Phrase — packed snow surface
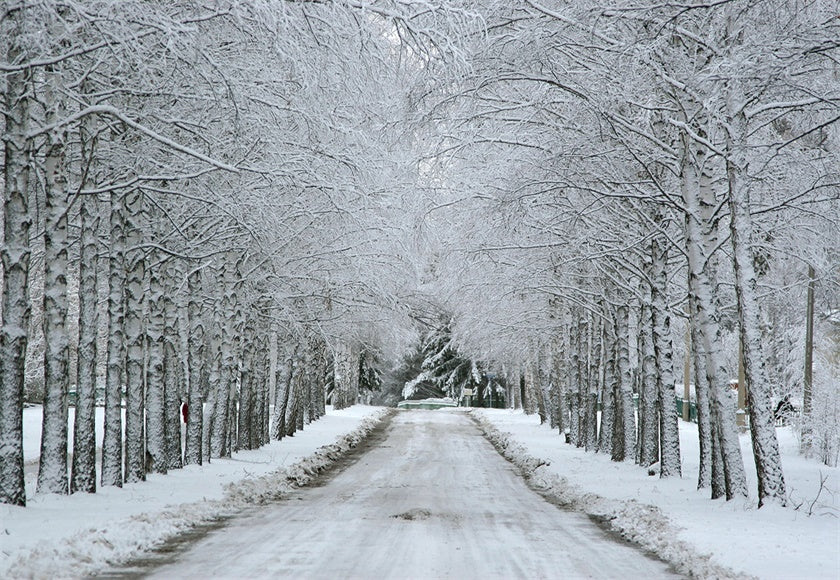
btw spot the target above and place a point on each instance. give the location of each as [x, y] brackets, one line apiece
[671, 518]
[431, 498]
[70, 536]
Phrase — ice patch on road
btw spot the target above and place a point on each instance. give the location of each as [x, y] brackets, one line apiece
[414, 514]
[645, 525]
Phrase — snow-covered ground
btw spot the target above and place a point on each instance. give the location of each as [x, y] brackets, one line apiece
[697, 535]
[66, 536]
[431, 499]
[69, 536]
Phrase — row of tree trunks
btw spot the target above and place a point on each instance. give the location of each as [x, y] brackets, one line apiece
[726, 472]
[346, 375]
[590, 367]
[157, 346]
[299, 385]
[771, 483]
[598, 358]
[191, 200]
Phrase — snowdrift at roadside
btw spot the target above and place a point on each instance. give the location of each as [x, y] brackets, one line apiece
[114, 541]
[675, 520]
[642, 524]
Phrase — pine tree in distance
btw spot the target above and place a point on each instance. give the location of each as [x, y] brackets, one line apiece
[445, 372]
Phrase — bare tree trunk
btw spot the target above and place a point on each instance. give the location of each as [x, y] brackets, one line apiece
[196, 359]
[214, 379]
[704, 418]
[515, 396]
[555, 384]
[291, 406]
[84, 430]
[529, 398]
[695, 177]
[282, 386]
[700, 241]
[112, 446]
[223, 409]
[300, 400]
[247, 400]
[155, 383]
[563, 379]
[322, 386]
[52, 472]
[617, 452]
[768, 463]
[608, 407]
[134, 339]
[669, 435]
[575, 427]
[309, 386]
[15, 253]
[625, 381]
[807, 432]
[172, 371]
[314, 381]
[547, 380]
[259, 391]
[346, 376]
[648, 395]
[593, 386]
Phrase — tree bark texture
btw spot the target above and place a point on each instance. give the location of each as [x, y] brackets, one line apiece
[346, 375]
[625, 381]
[669, 435]
[15, 255]
[173, 371]
[196, 358]
[214, 381]
[648, 395]
[52, 471]
[155, 380]
[700, 240]
[135, 451]
[574, 384]
[283, 382]
[112, 446]
[593, 386]
[84, 429]
[768, 463]
[608, 408]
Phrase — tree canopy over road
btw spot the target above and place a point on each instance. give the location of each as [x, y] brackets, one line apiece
[244, 206]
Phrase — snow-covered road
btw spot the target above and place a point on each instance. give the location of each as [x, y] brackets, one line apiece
[430, 499]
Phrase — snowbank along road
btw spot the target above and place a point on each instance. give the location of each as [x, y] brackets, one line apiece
[431, 498]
